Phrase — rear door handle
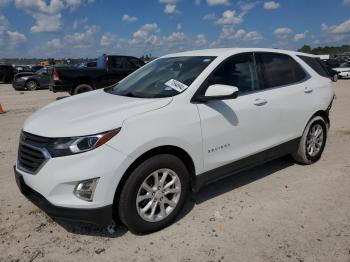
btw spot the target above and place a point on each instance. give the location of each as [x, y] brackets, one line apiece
[260, 101]
[308, 90]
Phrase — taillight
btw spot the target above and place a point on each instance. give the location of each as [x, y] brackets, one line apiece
[55, 75]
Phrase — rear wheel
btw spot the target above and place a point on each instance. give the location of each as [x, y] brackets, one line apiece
[81, 89]
[312, 142]
[154, 194]
[32, 85]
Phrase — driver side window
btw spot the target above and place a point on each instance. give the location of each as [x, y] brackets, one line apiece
[238, 71]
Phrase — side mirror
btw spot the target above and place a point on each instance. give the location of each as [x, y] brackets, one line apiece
[219, 92]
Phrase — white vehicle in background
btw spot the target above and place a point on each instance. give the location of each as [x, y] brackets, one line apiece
[343, 70]
[133, 151]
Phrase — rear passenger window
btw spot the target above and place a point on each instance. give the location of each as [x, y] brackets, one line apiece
[117, 62]
[238, 71]
[316, 64]
[279, 70]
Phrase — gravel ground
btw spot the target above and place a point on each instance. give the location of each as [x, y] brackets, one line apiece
[280, 211]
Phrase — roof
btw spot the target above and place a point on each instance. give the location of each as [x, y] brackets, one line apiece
[231, 51]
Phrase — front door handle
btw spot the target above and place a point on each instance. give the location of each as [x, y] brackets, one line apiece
[260, 101]
[308, 90]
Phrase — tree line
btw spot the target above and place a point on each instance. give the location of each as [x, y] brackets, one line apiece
[326, 50]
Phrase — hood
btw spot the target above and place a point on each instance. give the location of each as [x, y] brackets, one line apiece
[89, 113]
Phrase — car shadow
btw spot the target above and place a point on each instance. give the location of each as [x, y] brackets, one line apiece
[61, 97]
[235, 181]
[80, 228]
[206, 193]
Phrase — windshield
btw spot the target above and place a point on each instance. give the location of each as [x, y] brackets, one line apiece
[42, 71]
[344, 65]
[164, 77]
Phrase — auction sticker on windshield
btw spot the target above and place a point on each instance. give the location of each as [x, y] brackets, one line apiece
[176, 85]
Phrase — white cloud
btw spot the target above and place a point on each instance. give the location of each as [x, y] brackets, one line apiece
[9, 40]
[108, 39]
[247, 6]
[346, 2]
[271, 5]
[217, 2]
[150, 27]
[82, 39]
[200, 40]
[229, 17]
[55, 43]
[253, 36]
[127, 18]
[46, 23]
[175, 37]
[240, 34]
[211, 16]
[145, 32]
[79, 22]
[338, 29]
[282, 32]
[47, 14]
[170, 9]
[299, 37]
[178, 27]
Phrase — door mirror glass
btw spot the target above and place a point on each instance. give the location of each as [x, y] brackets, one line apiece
[219, 92]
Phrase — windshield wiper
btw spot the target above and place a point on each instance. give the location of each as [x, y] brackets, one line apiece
[130, 94]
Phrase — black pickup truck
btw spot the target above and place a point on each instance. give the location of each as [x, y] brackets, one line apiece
[108, 71]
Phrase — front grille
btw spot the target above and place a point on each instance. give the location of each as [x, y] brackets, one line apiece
[32, 153]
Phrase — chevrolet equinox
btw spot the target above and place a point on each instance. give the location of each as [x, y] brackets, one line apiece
[133, 151]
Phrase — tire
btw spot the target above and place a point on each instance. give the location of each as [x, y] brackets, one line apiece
[305, 154]
[79, 89]
[130, 210]
[32, 85]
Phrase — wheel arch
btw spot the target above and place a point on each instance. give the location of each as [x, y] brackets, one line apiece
[324, 114]
[167, 149]
[82, 81]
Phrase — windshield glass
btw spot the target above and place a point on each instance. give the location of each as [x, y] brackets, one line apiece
[344, 65]
[164, 77]
[42, 71]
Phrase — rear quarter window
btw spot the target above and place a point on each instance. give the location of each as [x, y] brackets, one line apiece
[316, 64]
[278, 70]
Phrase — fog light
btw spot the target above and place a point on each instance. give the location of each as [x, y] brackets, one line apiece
[85, 189]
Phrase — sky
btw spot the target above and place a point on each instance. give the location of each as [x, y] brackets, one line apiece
[88, 28]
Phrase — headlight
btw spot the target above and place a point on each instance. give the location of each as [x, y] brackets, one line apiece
[23, 78]
[75, 145]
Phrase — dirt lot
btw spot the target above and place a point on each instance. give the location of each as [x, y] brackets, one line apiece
[278, 212]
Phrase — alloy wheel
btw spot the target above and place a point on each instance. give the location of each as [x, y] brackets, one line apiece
[314, 140]
[158, 195]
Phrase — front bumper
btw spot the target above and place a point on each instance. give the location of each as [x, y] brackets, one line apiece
[98, 216]
[344, 74]
[18, 85]
[56, 180]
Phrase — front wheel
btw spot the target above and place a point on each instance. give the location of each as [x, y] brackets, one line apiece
[32, 85]
[154, 194]
[312, 142]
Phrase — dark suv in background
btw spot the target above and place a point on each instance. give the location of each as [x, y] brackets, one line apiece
[7, 72]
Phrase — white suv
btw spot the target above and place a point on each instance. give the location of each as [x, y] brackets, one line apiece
[133, 151]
